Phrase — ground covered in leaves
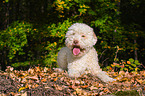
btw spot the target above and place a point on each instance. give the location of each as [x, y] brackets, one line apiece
[46, 82]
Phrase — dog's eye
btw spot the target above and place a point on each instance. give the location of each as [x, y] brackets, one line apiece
[83, 36]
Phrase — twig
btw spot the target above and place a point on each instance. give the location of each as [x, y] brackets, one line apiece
[102, 54]
[116, 53]
[105, 60]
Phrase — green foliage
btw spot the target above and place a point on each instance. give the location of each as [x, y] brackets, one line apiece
[23, 64]
[39, 41]
[131, 65]
[69, 7]
[56, 34]
[14, 38]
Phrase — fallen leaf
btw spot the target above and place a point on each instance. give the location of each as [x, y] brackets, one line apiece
[77, 82]
[55, 79]
[3, 94]
[121, 73]
[37, 69]
[43, 80]
[45, 69]
[24, 94]
[36, 85]
[140, 81]
[85, 86]
[101, 93]
[31, 71]
[82, 82]
[72, 86]
[100, 85]
[59, 88]
[23, 80]
[106, 90]
[54, 74]
[32, 77]
[93, 88]
[22, 88]
[78, 90]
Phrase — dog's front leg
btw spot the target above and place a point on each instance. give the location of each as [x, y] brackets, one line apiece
[62, 58]
[73, 73]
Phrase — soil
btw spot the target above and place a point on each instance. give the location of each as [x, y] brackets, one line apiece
[9, 86]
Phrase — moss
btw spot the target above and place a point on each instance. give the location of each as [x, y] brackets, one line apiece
[127, 93]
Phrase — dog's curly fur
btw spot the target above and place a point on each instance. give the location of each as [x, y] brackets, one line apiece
[79, 54]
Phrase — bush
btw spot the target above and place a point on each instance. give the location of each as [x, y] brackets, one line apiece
[131, 66]
[56, 35]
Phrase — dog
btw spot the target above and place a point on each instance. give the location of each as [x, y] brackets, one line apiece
[79, 55]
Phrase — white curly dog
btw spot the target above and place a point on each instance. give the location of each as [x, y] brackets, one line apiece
[80, 55]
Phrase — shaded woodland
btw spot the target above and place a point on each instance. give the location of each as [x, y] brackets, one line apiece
[33, 31]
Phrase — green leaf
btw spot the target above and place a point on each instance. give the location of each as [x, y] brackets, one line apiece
[131, 60]
[80, 10]
[121, 69]
[77, 1]
[137, 62]
[108, 67]
[6, 1]
[117, 66]
[133, 65]
[91, 12]
[130, 68]
[125, 68]
[126, 65]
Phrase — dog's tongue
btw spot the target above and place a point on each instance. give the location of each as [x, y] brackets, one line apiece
[76, 51]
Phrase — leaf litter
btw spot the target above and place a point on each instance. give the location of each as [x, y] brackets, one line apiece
[48, 82]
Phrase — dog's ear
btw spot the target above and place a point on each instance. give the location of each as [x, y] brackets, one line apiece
[94, 39]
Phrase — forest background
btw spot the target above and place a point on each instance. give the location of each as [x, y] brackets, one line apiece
[33, 31]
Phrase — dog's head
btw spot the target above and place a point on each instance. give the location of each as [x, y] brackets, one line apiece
[80, 38]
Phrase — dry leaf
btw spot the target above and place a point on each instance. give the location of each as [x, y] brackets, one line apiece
[100, 85]
[31, 71]
[24, 94]
[77, 82]
[45, 69]
[82, 82]
[101, 93]
[54, 74]
[22, 88]
[85, 86]
[24, 80]
[72, 86]
[37, 69]
[93, 88]
[33, 78]
[121, 73]
[43, 80]
[59, 88]
[140, 81]
[55, 79]
[36, 85]
[3, 94]
[79, 91]
[106, 90]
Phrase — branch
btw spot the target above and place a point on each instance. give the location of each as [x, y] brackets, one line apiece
[102, 54]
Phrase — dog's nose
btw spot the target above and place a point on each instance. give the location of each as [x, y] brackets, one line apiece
[76, 42]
